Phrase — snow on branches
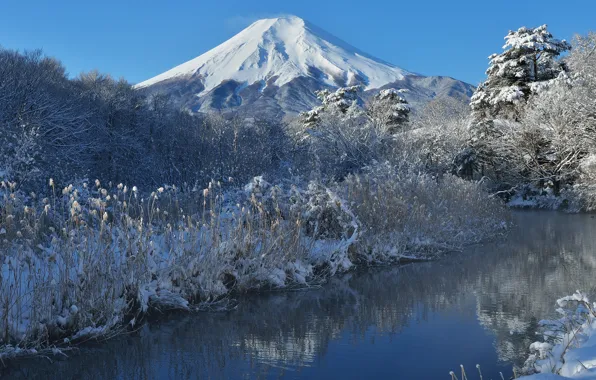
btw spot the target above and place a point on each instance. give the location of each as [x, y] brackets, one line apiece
[338, 102]
[390, 109]
[529, 56]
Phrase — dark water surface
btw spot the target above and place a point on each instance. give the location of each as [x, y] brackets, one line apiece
[414, 322]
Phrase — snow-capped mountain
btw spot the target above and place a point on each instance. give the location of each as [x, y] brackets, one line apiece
[276, 64]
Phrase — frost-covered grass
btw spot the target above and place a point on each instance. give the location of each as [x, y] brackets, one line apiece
[90, 260]
[463, 375]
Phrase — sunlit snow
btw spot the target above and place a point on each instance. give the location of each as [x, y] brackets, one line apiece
[285, 48]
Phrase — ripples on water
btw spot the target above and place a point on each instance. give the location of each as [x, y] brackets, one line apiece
[413, 322]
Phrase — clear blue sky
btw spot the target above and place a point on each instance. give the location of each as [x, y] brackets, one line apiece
[138, 39]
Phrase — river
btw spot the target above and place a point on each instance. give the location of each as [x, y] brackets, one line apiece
[417, 321]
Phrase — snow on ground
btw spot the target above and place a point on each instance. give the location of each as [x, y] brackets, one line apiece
[544, 376]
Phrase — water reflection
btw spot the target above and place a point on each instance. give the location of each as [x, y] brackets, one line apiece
[417, 321]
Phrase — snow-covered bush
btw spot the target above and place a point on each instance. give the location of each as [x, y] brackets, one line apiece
[568, 346]
[531, 196]
[439, 137]
[582, 195]
[410, 214]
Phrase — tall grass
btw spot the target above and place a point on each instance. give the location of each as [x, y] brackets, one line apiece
[90, 259]
[464, 375]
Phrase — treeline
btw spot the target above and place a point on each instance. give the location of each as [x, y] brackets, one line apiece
[94, 126]
[529, 133]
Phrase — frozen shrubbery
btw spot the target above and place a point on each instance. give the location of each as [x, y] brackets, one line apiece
[418, 214]
[568, 347]
[438, 138]
[577, 197]
[582, 195]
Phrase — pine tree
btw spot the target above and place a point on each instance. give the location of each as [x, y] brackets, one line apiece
[529, 59]
[527, 65]
[389, 110]
[338, 102]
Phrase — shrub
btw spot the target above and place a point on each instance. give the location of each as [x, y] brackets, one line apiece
[415, 214]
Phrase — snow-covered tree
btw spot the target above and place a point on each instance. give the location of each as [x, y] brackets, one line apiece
[582, 63]
[337, 138]
[338, 102]
[42, 125]
[557, 131]
[388, 110]
[528, 65]
[438, 134]
[529, 57]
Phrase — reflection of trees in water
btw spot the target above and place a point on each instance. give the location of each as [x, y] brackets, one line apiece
[515, 284]
[551, 256]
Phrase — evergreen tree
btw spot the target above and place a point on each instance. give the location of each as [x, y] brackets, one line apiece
[389, 110]
[527, 65]
[529, 59]
[339, 102]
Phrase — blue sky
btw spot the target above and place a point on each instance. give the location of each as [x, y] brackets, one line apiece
[138, 39]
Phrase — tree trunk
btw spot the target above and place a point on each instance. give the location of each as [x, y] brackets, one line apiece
[556, 187]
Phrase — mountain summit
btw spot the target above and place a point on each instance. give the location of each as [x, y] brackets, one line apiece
[276, 63]
[283, 49]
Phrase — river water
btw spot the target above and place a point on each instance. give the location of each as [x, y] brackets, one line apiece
[417, 321]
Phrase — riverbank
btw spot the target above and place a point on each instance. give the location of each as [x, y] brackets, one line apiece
[484, 302]
[92, 261]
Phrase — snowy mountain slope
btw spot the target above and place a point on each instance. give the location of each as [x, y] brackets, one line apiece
[277, 64]
[285, 48]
